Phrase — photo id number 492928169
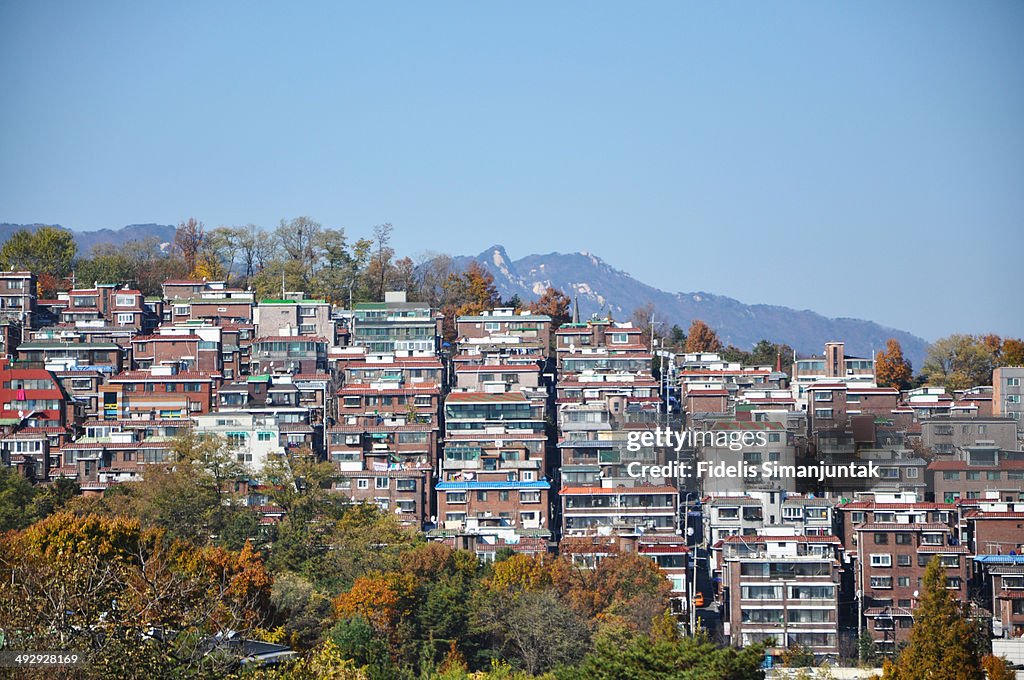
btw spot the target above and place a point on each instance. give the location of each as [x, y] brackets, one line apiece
[10, 658]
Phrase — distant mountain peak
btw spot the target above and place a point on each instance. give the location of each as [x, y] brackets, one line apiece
[603, 289]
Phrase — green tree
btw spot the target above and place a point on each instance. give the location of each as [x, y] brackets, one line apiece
[47, 252]
[943, 642]
[958, 362]
[16, 494]
[620, 655]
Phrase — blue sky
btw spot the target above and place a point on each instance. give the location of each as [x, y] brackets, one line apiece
[859, 159]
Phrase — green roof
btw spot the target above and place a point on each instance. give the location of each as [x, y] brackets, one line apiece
[258, 378]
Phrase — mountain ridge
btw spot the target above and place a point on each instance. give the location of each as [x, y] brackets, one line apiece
[86, 240]
[603, 289]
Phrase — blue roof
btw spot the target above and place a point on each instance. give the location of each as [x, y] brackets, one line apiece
[463, 486]
[999, 559]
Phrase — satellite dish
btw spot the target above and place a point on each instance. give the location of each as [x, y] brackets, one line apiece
[689, 531]
[916, 594]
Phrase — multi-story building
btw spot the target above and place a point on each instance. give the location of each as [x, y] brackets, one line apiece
[981, 471]
[494, 473]
[289, 354]
[993, 526]
[834, 366]
[1008, 394]
[18, 301]
[784, 587]
[1000, 578]
[747, 446]
[944, 435]
[601, 345]
[395, 325]
[297, 316]
[892, 545]
[106, 357]
[504, 331]
[159, 393]
[254, 438]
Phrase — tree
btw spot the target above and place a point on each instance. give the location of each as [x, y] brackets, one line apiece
[891, 369]
[381, 260]
[996, 668]
[16, 495]
[137, 603]
[622, 654]
[943, 644]
[701, 338]
[1012, 352]
[48, 252]
[553, 303]
[958, 362]
[536, 631]
[188, 242]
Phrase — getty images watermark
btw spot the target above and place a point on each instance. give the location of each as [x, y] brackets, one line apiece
[677, 440]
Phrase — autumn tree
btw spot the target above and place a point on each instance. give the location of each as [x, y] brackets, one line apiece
[891, 369]
[943, 644]
[701, 338]
[188, 242]
[553, 303]
[1012, 352]
[958, 362]
[104, 585]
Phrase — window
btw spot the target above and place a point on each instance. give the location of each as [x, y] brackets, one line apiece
[903, 560]
[264, 436]
[973, 475]
[125, 319]
[761, 592]
[1010, 382]
[1012, 398]
[456, 496]
[728, 513]
[881, 539]
[881, 560]
[381, 483]
[362, 483]
[950, 476]
[405, 484]
[823, 396]
[953, 582]
[125, 300]
[950, 561]
[856, 517]
[881, 582]
[992, 475]
[529, 496]
[904, 539]
[481, 496]
[912, 473]
[903, 581]
[823, 413]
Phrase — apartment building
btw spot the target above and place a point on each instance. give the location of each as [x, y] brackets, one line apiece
[504, 330]
[893, 549]
[978, 472]
[784, 587]
[18, 301]
[395, 325]
[945, 435]
[1001, 581]
[494, 474]
[289, 354]
[290, 317]
[161, 392]
[601, 345]
[1008, 395]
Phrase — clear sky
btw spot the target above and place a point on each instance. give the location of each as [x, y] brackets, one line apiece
[855, 158]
